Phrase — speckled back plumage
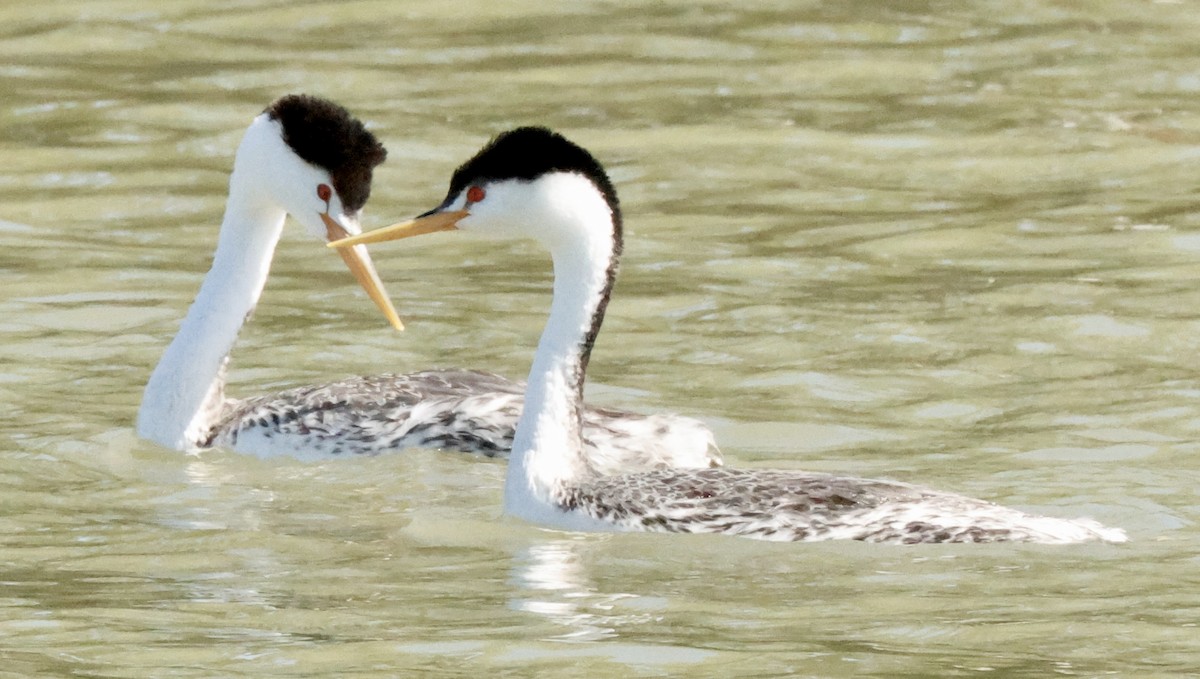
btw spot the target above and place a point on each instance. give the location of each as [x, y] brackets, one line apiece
[803, 506]
[457, 410]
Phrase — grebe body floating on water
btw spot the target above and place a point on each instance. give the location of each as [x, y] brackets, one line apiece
[533, 183]
[310, 158]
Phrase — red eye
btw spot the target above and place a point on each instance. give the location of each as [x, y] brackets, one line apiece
[475, 194]
[324, 192]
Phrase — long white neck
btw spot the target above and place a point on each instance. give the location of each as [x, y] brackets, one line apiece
[185, 393]
[547, 451]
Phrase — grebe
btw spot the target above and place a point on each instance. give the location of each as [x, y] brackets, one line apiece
[310, 158]
[533, 183]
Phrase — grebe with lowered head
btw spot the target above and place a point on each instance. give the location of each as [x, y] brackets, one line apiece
[310, 158]
[533, 183]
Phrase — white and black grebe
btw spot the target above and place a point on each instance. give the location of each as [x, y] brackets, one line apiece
[310, 158]
[533, 183]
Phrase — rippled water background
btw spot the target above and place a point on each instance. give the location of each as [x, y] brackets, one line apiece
[955, 243]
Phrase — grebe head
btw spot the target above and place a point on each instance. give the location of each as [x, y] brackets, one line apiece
[529, 182]
[310, 158]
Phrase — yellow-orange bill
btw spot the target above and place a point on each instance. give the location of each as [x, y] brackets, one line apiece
[359, 263]
[438, 221]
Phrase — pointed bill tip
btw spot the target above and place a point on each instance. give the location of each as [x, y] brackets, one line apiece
[359, 263]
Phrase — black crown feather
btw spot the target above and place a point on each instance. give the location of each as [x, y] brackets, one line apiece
[528, 153]
[325, 134]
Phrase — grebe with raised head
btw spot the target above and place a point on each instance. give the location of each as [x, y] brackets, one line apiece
[533, 183]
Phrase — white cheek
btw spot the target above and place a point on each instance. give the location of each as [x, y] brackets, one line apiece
[486, 218]
[510, 209]
[483, 224]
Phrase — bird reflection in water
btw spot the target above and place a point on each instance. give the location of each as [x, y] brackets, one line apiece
[554, 578]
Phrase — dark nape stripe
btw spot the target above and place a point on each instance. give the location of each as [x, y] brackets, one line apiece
[327, 135]
[610, 279]
[589, 339]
